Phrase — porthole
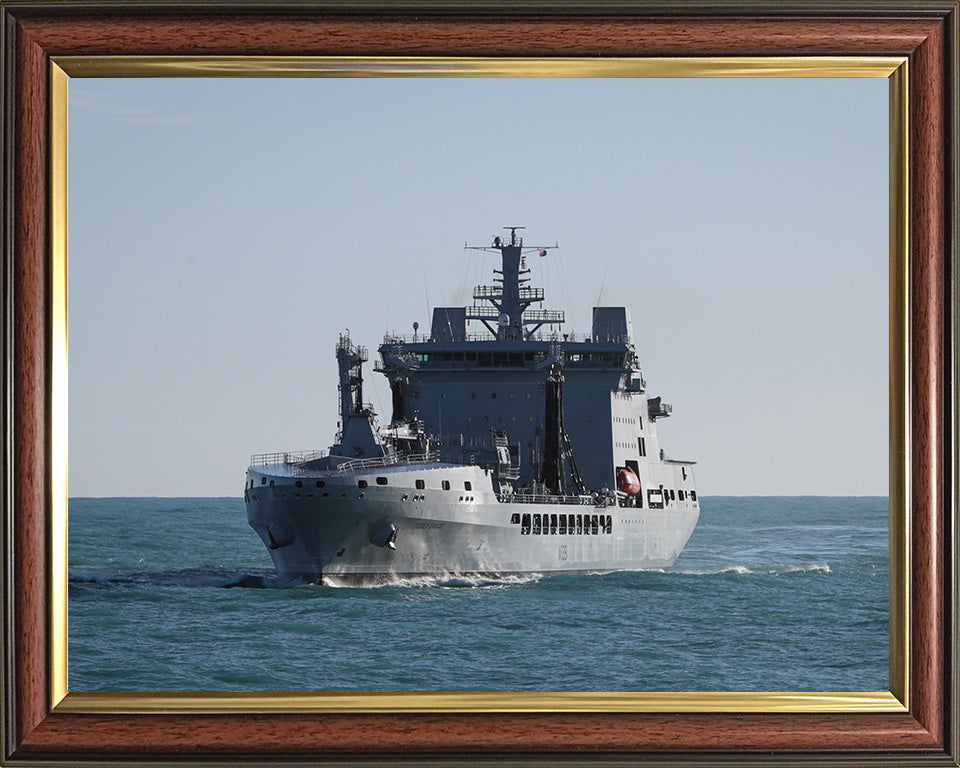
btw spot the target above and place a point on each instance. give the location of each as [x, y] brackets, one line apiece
[361, 483]
[467, 486]
[420, 485]
[381, 481]
[271, 483]
[320, 483]
[445, 484]
[299, 483]
[263, 481]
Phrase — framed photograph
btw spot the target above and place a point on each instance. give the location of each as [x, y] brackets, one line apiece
[911, 51]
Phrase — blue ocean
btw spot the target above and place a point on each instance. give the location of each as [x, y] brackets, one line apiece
[771, 594]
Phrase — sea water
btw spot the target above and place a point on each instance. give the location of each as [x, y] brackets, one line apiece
[770, 594]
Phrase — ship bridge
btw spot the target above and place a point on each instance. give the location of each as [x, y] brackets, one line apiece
[484, 367]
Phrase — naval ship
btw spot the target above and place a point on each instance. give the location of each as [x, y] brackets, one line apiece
[513, 448]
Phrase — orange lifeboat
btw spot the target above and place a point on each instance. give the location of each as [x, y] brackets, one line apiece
[628, 482]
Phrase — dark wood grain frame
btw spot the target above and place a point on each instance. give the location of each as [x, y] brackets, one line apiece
[34, 33]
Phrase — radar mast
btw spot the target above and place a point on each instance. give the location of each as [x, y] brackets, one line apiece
[511, 299]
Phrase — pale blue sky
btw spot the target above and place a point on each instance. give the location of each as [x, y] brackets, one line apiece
[223, 232]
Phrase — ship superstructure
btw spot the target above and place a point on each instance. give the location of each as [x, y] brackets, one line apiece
[512, 448]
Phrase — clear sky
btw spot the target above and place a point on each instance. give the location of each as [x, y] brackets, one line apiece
[223, 232]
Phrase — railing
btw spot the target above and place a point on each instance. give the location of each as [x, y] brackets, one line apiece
[482, 312]
[385, 461]
[543, 316]
[477, 312]
[395, 339]
[496, 292]
[536, 498]
[286, 458]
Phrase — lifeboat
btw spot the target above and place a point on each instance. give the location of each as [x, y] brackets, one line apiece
[628, 482]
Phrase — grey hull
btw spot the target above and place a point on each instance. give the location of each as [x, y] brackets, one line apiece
[338, 534]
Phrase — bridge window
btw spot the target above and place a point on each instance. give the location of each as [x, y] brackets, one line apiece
[593, 525]
[571, 524]
[536, 525]
[515, 518]
[445, 484]
[562, 529]
[579, 524]
[263, 481]
[553, 524]
[420, 485]
[525, 525]
[693, 495]
[467, 485]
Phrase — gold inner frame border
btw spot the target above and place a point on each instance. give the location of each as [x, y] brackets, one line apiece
[894, 69]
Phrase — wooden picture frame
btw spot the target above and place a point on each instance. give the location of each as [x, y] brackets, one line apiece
[41, 726]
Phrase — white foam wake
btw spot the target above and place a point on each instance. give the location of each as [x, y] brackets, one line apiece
[769, 569]
[450, 580]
